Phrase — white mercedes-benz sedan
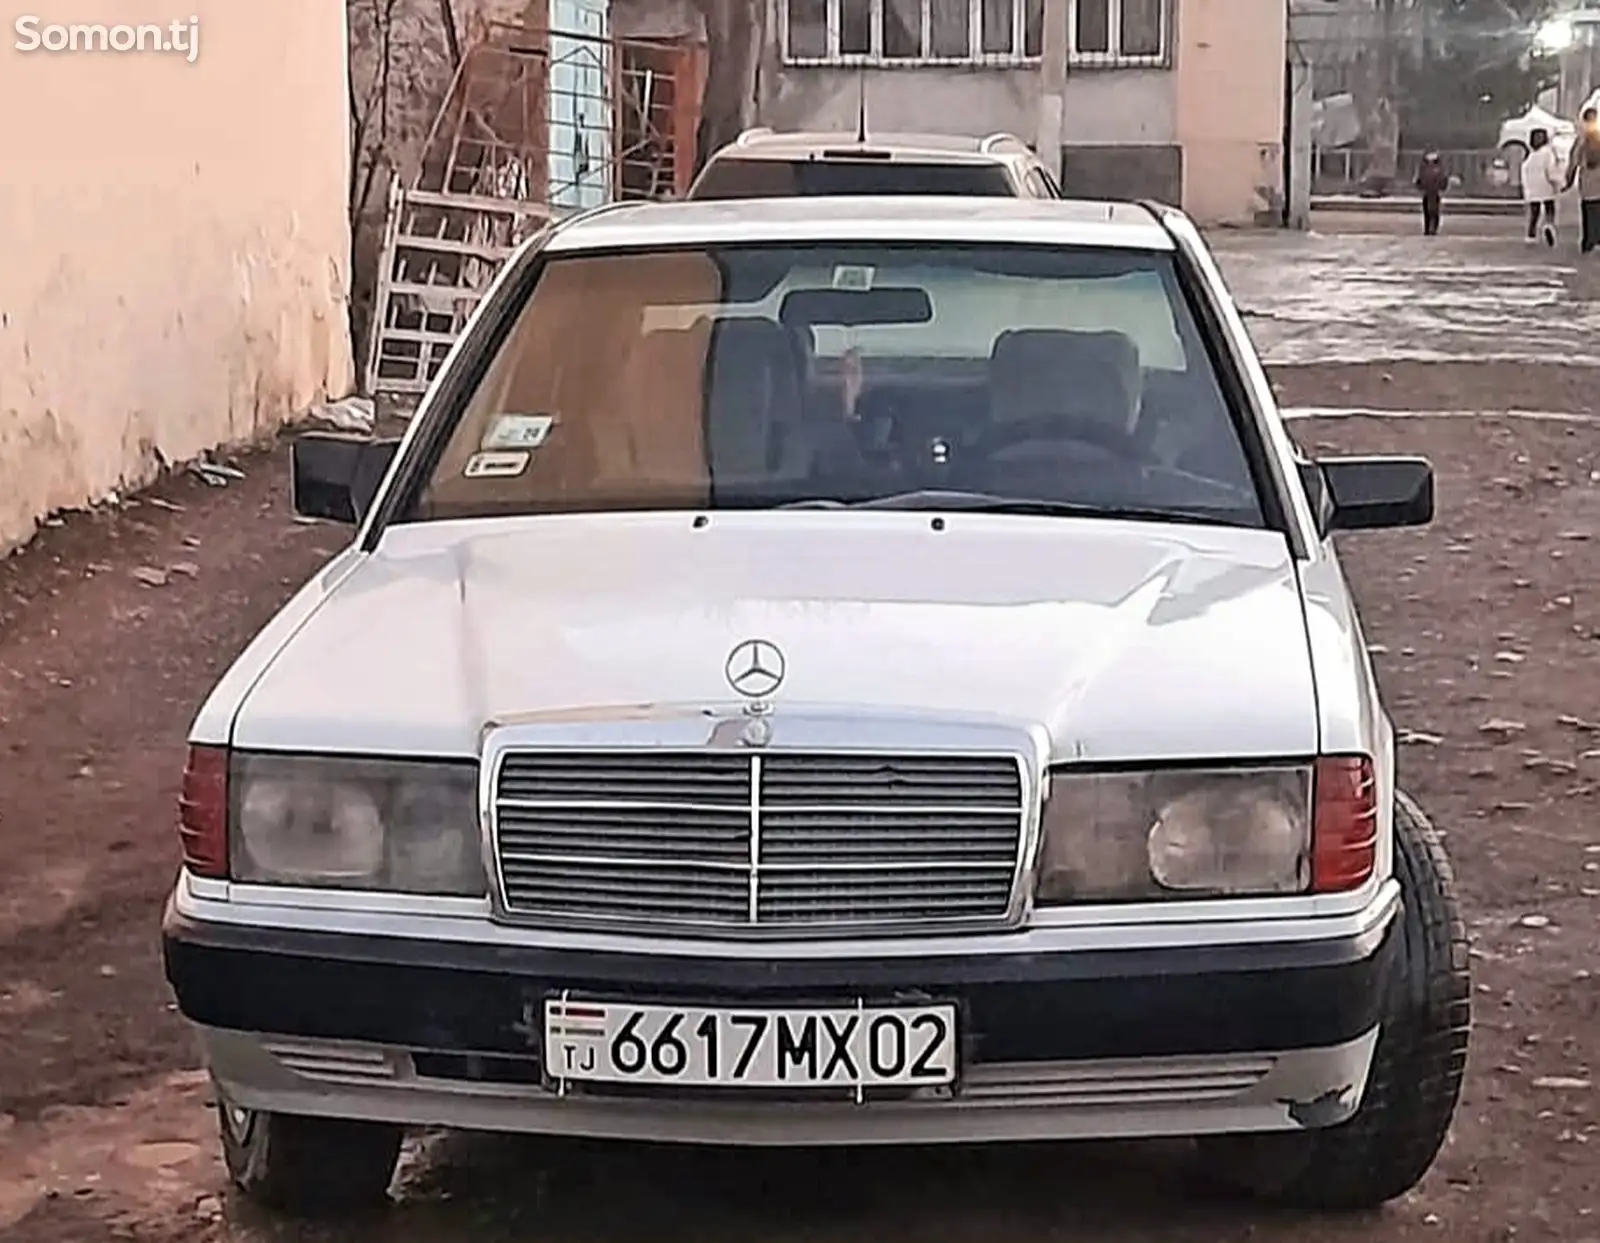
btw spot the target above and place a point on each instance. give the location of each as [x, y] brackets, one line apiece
[852, 671]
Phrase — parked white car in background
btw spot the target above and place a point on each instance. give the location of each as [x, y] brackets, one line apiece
[1516, 133]
[828, 671]
[763, 163]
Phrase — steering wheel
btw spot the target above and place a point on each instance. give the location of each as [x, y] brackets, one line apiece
[1115, 441]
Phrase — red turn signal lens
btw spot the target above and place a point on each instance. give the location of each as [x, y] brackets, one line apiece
[1344, 825]
[203, 812]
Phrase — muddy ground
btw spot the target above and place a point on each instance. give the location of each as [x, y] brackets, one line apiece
[1487, 631]
[1334, 295]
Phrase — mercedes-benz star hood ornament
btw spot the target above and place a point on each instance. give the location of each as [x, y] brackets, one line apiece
[755, 669]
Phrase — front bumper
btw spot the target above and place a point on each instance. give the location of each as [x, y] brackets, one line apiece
[1114, 1043]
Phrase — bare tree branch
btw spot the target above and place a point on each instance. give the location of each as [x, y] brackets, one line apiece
[398, 64]
[361, 14]
[452, 41]
[379, 104]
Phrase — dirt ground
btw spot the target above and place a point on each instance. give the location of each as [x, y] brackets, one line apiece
[1464, 387]
[1486, 627]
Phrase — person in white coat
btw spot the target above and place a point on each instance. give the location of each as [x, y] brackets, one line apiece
[1542, 180]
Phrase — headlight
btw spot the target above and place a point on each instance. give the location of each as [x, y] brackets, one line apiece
[356, 824]
[1186, 833]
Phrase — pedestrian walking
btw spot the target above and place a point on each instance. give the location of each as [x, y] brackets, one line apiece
[1542, 179]
[1583, 170]
[1432, 182]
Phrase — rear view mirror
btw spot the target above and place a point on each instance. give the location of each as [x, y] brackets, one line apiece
[853, 308]
[1373, 493]
[335, 476]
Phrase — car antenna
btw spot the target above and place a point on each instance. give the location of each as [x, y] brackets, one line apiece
[861, 109]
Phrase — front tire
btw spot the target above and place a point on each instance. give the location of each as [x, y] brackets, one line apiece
[1415, 1081]
[307, 1166]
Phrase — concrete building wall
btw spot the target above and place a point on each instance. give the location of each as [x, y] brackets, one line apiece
[1116, 126]
[930, 99]
[173, 245]
[1098, 107]
[1230, 67]
[1204, 129]
[1131, 107]
[1119, 134]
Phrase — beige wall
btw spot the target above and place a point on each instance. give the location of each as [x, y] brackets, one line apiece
[1230, 61]
[173, 243]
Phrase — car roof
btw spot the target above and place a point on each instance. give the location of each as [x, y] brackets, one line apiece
[765, 144]
[864, 218]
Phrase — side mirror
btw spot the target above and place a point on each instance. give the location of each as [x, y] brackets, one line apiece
[1371, 493]
[335, 476]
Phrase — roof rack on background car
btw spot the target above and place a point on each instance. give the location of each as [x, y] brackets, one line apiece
[767, 163]
[1002, 140]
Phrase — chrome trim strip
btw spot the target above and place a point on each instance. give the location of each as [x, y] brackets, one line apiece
[799, 809]
[1270, 922]
[754, 862]
[754, 865]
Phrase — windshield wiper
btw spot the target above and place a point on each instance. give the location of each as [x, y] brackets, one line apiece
[945, 500]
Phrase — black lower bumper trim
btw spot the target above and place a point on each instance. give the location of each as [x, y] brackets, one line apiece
[453, 996]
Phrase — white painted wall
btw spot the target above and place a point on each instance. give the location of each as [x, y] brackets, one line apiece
[173, 244]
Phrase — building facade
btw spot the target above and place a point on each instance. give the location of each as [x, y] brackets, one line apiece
[173, 240]
[1177, 100]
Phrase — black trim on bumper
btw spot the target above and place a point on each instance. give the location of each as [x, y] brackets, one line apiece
[454, 996]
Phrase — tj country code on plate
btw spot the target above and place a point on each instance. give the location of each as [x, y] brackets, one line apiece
[906, 1046]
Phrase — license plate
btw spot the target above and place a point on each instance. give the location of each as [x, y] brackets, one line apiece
[867, 1046]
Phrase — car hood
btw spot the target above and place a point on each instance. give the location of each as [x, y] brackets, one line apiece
[1123, 640]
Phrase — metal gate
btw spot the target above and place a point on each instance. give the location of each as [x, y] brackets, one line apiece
[539, 123]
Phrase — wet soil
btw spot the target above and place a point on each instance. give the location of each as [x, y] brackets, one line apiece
[1326, 297]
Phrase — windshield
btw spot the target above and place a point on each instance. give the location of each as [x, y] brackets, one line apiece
[730, 178]
[926, 376]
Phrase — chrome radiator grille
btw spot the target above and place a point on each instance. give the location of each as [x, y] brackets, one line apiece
[779, 840]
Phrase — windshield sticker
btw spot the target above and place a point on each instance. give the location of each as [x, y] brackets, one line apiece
[853, 276]
[518, 431]
[497, 465]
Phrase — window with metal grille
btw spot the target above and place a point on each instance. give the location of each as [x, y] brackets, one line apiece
[1116, 33]
[912, 32]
